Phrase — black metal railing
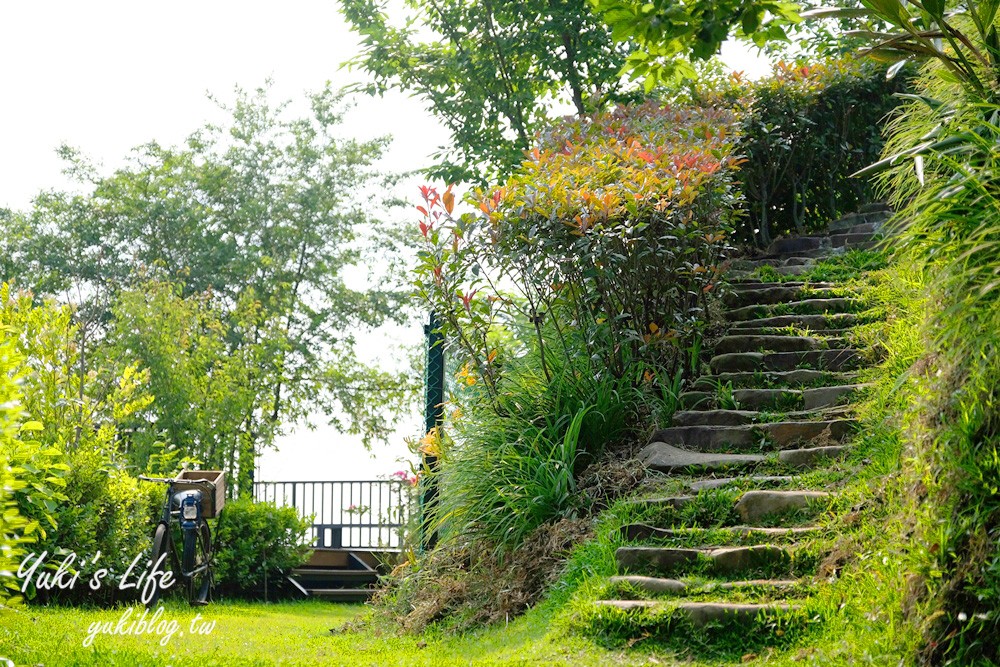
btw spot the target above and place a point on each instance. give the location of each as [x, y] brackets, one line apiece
[358, 515]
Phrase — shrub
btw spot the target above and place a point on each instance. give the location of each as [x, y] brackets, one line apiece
[952, 229]
[15, 530]
[256, 545]
[803, 133]
[12, 538]
[577, 286]
[105, 511]
[603, 249]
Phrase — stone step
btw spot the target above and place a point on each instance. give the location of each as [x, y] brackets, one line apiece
[751, 274]
[786, 433]
[746, 399]
[720, 482]
[652, 585]
[703, 614]
[636, 532]
[755, 285]
[777, 379]
[723, 561]
[714, 418]
[779, 434]
[831, 360]
[833, 337]
[754, 263]
[799, 244]
[812, 456]
[773, 343]
[773, 399]
[674, 502]
[743, 417]
[771, 294]
[804, 307]
[876, 214]
[810, 322]
[666, 458]
[755, 505]
[824, 397]
[661, 585]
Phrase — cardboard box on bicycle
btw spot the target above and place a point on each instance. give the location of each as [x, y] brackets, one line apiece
[212, 501]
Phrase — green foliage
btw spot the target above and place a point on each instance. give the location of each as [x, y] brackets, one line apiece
[256, 545]
[509, 467]
[511, 476]
[15, 529]
[952, 232]
[12, 538]
[207, 390]
[803, 133]
[68, 461]
[34, 457]
[962, 40]
[78, 398]
[608, 237]
[489, 71]
[105, 510]
[941, 167]
[667, 31]
[575, 299]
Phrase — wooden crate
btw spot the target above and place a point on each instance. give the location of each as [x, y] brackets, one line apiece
[212, 502]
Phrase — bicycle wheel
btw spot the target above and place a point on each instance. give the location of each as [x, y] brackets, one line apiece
[161, 545]
[197, 559]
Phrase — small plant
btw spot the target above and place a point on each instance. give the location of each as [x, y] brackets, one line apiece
[725, 395]
[667, 398]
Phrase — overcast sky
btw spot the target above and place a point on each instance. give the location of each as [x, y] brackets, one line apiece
[107, 75]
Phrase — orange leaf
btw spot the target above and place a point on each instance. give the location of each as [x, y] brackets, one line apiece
[449, 200]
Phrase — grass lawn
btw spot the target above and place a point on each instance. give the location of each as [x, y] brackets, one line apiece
[293, 633]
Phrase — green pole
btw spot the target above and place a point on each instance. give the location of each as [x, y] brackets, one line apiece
[433, 416]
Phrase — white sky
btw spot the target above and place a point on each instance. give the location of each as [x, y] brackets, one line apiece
[107, 75]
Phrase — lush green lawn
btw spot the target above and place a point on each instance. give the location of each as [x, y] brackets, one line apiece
[287, 634]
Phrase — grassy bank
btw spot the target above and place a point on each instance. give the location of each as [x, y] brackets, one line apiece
[287, 634]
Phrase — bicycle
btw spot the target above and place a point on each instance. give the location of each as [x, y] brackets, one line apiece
[183, 517]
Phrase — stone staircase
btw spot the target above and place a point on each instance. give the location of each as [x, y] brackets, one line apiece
[775, 403]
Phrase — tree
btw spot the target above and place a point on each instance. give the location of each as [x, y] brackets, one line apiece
[669, 31]
[253, 225]
[491, 71]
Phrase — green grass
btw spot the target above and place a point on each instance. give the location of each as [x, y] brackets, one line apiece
[837, 268]
[294, 633]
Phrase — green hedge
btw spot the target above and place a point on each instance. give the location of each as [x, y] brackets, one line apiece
[803, 133]
[256, 545]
